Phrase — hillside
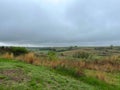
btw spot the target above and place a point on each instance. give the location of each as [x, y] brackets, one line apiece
[16, 75]
[67, 70]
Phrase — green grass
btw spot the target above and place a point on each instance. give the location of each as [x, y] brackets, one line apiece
[93, 81]
[17, 75]
[36, 78]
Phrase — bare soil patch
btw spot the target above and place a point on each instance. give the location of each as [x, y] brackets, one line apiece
[15, 75]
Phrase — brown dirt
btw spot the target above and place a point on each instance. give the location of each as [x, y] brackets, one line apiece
[16, 75]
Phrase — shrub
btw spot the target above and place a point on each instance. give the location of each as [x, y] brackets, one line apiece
[62, 54]
[18, 50]
[52, 55]
[30, 58]
[83, 55]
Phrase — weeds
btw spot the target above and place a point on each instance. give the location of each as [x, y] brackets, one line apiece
[8, 55]
[82, 54]
[74, 68]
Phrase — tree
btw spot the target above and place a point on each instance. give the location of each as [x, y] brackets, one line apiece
[111, 46]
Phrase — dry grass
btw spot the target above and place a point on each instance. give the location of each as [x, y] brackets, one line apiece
[105, 67]
[109, 78]
[102, 76]
[29, 58]
[98, 74]
[108, 64]
[8, 55]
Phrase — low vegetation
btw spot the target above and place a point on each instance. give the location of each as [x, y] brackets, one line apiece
[98, 72]
[15, 50]
[16, 75]
[82, 54]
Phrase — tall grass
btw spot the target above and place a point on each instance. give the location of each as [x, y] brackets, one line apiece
[75, 68]
[108, 64]
[29, 58]
[8, 55]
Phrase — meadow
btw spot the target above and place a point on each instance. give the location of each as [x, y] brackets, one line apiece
[60, 68]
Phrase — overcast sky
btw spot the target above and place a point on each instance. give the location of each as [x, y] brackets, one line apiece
[59, 22]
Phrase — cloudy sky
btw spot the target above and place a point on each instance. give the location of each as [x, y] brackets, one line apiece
[59, 22]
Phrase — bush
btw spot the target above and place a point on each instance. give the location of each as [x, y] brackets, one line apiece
[83, 55]
[18, 50]
[30, 58]
[52, 55]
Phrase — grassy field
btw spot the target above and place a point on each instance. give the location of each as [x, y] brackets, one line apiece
[16, 75]
[75, 68]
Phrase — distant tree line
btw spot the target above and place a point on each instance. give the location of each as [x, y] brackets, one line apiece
[14, 50]
[59, 49]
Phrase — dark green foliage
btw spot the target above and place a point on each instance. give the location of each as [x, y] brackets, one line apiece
[4, 49]
[14, 50]
[62, 54]
[18, 50]
[111, 46]
[70, 71]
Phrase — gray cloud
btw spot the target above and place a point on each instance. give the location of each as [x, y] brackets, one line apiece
[96, 20]
[74, 22]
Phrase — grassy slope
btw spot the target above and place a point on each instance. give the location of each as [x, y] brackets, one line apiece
[15, 75]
